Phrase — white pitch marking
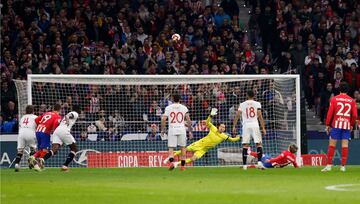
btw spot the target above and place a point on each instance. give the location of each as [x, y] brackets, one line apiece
[341, 187]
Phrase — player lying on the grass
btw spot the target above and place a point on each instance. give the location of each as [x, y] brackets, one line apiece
[27, 136]
[285, 158]
[215, 136]
[62, 135]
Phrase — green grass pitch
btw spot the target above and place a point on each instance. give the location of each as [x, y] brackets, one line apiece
[195, 185]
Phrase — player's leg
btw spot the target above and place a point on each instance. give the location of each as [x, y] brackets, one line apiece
[56, 144]
[182, 144]
[259, 148]
[245, 144]
[69, 140]
[334, 136]
[344, 148]
[20, 151]
[44, 145]
[265, 161]
[172, 143]
[32, 144]
[70, 157]
[197, 155]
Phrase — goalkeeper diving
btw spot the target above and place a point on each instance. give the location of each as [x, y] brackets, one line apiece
[215, 136]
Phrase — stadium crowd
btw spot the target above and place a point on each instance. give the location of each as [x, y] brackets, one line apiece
[319, 39]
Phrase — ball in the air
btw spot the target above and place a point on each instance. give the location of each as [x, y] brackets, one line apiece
[175, 37]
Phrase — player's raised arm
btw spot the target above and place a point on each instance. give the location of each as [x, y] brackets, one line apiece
[236, 119]
[261, 120]
[208, 120]
[233, 139]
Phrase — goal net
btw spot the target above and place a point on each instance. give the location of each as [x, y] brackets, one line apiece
[120, 118]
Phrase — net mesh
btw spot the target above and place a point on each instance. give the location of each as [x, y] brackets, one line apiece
[120, 118]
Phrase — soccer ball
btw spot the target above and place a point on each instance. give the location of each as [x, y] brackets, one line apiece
[175, 37]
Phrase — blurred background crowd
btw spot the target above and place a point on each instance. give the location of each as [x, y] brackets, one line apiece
[318, 39]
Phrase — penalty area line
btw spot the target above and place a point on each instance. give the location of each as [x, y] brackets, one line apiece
[343, 187]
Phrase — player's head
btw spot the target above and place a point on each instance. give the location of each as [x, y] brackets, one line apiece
[57, 107]
[76, 108]
[221, 127]
[176, 97]
[29, 109]
[343, 87]
[293, 148]
[250, 94]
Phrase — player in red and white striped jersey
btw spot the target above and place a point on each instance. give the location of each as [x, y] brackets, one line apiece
[47, 123]
[341, 118]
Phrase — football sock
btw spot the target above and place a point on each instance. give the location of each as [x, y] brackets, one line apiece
[182, 162]
[244, 155]
[18, 158]
[344, 155]
[259, 153]
[188, 160]
[48, 155]
[69, 158]
[171, 159]
[330, 155]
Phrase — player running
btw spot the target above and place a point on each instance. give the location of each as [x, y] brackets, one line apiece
[250, 111]
[285, 158]
[176, 113]
[62, 135]
[214, 137]
[46, 124]
[26, 137]
[342, 115]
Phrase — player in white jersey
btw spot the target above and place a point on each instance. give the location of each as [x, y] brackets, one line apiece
[250, 111]
[26, 137]
[177, 114]
[62, 135]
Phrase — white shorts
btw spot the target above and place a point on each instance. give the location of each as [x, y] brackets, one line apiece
[26, 138]
[62, 136]
[251, 132]
[177, 138]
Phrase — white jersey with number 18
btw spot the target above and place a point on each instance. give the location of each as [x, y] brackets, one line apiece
[249, 114]
[176, 115]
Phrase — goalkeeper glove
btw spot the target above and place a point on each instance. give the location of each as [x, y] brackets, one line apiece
[214, 111]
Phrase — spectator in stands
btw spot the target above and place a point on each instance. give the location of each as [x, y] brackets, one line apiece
[325, 97]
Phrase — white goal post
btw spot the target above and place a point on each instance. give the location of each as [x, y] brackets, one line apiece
[120, 118]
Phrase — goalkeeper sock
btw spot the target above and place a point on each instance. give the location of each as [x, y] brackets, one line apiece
[244, 155]
[18, 158]
[182, 162]
[344, 155]
[48, 155]
[69, 158]
[259, 153]
[188, 160]
[171, 159]
[330, 155]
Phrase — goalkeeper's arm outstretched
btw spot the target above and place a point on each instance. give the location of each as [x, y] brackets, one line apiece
[215, 136]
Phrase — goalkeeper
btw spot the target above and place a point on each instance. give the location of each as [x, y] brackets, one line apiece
[200, 147]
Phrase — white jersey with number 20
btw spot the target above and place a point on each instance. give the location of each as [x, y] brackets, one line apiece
[249, 114]
[176, 116]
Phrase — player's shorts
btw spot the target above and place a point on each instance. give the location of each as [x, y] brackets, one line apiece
[43, 140]
[340, 134]
[177, 138]
[266, 164]
[251, 132]
[26, 138]
[62, 136]
[198, 149]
